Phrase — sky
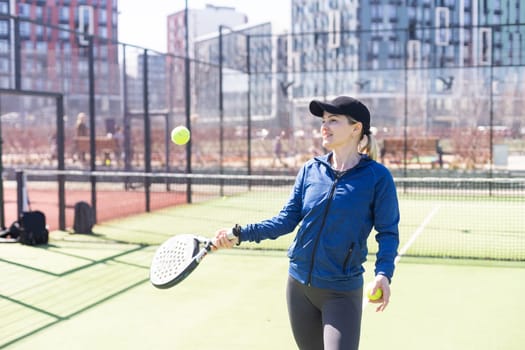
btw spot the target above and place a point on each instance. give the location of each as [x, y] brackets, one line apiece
[143, 22]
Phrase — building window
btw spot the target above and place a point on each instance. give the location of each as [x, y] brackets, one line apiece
[4, 65]
[39, 13]
[4, 46]
[25, 30]
[334, 29]
[102, 15]
[103, 32]
[4, 27]
[4, 9]
[413, 52]
[23, 10]
[41, 46]
[64, 33]
[412, 13]
[85, 24]
[39, 31]
[485, 46]
[442, 26]
[63, 14]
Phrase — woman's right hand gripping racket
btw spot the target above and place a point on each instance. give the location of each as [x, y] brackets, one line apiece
[177, 257]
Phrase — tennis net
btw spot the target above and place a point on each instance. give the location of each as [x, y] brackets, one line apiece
[475, 218]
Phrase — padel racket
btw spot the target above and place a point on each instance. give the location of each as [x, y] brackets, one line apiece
[176, 258]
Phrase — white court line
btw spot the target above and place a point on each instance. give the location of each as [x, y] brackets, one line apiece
[411, 241]
[416, 233]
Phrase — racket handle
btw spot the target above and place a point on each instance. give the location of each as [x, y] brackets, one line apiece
[230, 235]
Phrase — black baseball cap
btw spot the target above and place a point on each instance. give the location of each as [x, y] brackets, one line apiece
[344, 105]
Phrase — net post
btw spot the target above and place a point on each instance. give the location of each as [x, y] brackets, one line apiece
[21, 192]
[60, 143]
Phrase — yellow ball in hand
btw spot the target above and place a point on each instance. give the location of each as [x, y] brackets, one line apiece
[376, 296]
[180, 135]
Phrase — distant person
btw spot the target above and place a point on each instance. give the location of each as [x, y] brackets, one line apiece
[81, 127]
[337, 199]
[119, 146]
[278, 151]
[81, 130]
[53, 146]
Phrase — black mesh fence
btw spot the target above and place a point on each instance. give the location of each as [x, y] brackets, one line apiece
[439, 107]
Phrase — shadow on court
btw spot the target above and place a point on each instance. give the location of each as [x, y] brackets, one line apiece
[92, 292]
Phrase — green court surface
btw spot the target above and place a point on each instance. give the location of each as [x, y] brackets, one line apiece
[92, 291]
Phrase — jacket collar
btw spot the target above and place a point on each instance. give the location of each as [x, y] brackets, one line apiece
[325, 159]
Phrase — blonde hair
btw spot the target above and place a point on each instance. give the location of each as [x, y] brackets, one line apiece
[370, 148]
[81, 117]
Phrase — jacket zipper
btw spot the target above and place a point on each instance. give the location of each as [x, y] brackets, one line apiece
[348, 255]
[314, 251]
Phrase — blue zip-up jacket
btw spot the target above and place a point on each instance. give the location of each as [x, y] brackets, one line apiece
[336, 213]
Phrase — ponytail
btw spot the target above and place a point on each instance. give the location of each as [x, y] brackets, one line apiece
[370, 148]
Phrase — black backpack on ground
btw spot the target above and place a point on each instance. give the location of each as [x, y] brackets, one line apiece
[84, 218]
[30, 228]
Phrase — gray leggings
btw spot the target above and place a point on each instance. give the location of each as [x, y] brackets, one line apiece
[323, 318]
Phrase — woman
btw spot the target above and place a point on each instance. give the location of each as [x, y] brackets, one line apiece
[81, 130]
[337, 199]
[81, 127]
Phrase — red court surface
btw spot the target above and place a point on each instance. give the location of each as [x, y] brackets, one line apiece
[110, 204]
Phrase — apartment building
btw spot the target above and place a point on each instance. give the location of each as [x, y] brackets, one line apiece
[53, 38]
[370, 48]
[200, 22]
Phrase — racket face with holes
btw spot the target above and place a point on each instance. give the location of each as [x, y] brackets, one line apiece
[174, 260]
